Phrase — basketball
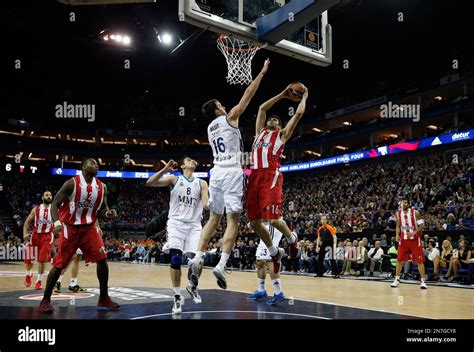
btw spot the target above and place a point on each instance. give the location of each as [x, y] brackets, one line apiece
[296, 91]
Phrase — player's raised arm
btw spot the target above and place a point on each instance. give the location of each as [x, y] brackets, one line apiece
[157, 181]
[204, 194]
[26, 225]
[287, 132]
[237, 110]
[262, 110]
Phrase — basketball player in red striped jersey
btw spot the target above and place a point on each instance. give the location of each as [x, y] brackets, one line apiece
[409, 234]
[74, 211]
[41, 240]
[264, 190]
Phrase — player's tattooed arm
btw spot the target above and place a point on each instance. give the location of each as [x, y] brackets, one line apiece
[108, 214]
[158, 181]
[205, 194]
[62, 195]
[287, 132]
[238, 110]
[262, 110]
[26, 225]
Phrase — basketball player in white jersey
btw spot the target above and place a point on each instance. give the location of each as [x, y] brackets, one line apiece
[264, 262]
[188, 197]
[41, 240]
[227, 180]
[409, 234]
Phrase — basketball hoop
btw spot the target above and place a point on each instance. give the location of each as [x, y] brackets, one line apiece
[238, 55]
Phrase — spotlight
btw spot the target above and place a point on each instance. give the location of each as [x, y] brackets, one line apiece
[165, 38]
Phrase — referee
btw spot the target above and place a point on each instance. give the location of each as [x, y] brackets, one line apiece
[326, 243]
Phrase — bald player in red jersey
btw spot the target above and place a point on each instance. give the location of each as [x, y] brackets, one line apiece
[79, 200]
[40, 243]
[264, 198]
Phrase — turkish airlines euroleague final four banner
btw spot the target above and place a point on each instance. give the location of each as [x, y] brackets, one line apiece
[342, 159]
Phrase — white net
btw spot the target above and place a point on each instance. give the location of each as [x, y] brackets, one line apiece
[238, 55]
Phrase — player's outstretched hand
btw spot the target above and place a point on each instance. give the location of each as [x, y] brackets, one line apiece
[286, 92]
[265, 66]
[305, 94]
[171, 165]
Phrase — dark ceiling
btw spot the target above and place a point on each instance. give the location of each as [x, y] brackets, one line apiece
[65, 60]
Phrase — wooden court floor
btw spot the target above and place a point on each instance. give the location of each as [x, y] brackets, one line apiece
[406, 300]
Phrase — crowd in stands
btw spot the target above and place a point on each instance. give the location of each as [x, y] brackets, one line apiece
[366, 196]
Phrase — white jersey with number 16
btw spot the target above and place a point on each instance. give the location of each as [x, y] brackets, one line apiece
[225, 141]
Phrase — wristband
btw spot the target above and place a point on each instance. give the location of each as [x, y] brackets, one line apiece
[57, 223]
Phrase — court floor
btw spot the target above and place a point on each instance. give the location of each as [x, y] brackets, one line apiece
[143, 291]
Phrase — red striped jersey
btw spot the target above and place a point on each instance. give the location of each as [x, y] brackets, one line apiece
[43, 219]
[84, 202]
[407, 221]
[267, 149]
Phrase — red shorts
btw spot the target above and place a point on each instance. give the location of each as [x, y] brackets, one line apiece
[412, 247]
[85, 237]
[39, 249]
[264, 196]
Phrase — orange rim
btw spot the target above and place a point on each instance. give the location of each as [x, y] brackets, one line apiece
[230, 48]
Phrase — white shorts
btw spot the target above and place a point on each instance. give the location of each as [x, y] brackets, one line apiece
[183, 235]
[263, 253]
[226, 189]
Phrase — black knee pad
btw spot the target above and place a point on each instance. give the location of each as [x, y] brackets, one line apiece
[176, 258]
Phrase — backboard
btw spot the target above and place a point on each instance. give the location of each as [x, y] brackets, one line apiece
[310, 42]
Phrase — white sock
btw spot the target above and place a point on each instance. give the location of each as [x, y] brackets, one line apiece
[199, 255]
[397, 278]
[224, 259]
[60, 278]
[273, 250]
[423, 280]
[73, 282]
[277, 286]
[292, 238]
[177, 291]
[261, 285]
[39, 277]
[29, 272]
